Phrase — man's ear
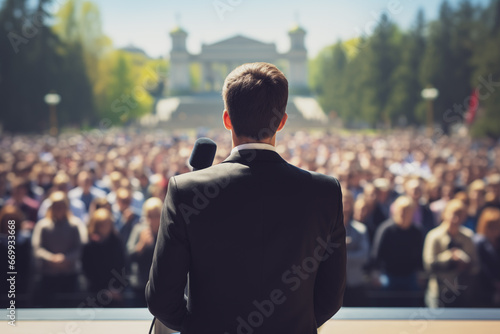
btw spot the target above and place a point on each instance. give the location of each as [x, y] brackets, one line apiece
[227, 121]
[283, 121]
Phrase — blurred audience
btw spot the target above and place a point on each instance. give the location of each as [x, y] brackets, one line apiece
[108, 178]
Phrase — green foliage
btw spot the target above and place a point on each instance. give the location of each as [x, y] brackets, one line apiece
[126, 84]
[68, 53]
[375, 80]
[487, 74]
[33, 62]
[378, 79]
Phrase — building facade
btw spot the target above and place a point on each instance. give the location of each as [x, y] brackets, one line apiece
[220, 58]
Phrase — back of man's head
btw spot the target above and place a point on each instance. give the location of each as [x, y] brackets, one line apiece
[255, 96]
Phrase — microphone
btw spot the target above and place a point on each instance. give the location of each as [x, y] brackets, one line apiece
[202, 157]
[203, 153]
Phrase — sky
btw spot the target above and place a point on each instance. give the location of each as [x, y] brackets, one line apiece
[146, 23]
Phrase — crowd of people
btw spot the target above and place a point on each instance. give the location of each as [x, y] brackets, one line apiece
[422, 215]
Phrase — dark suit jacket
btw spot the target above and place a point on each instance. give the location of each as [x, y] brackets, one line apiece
[263, 243]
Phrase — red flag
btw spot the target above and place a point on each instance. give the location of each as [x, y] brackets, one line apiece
[473, 106]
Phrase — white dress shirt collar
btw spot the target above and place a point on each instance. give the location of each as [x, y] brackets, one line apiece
[254, 146]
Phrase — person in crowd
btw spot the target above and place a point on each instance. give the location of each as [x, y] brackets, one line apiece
[20, 198]
[476, 192]
[38, 178]
[353, 183]
[493, 195]
[358, 249]
[141, 245]
[158, 186]
[374, 215]
[4, 169]
[488, 247]
[397, 251]
[61, 182]
[103, 257]
[119, 181]
[385, 195]
[99, 203]
[361, 214]
[125, 216]
[115, 179]
[11, 233]
[450, 258]
[423, 217]
[432, 190]
[357, 160]
[85, 191]
[41, 180]
[57, 245]
[140, 179]
[447, 193]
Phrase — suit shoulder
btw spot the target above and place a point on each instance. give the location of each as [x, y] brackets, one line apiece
[326, 181]
[313, 176]
[216, 174]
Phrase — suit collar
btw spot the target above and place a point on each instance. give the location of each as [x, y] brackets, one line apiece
[249, 156]
[254, 146]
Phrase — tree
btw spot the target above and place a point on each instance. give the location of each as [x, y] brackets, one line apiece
[487, 74]
[405, 96]
[29, 65]
[329, 82]
[382, 56]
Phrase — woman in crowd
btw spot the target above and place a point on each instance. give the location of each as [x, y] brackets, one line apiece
[57, 245]
[99, 203]
[141, 246]
[103, 257]
[488, 247]
[358, 249]
[450, 259]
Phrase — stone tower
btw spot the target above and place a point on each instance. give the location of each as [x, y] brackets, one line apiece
[297, 57]
[178, 77]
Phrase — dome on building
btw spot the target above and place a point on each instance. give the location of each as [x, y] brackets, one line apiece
[297, 29]
[177, 30]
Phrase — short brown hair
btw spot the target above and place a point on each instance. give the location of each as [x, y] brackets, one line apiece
[255, 96]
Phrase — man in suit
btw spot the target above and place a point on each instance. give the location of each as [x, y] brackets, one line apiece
[262, 241]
